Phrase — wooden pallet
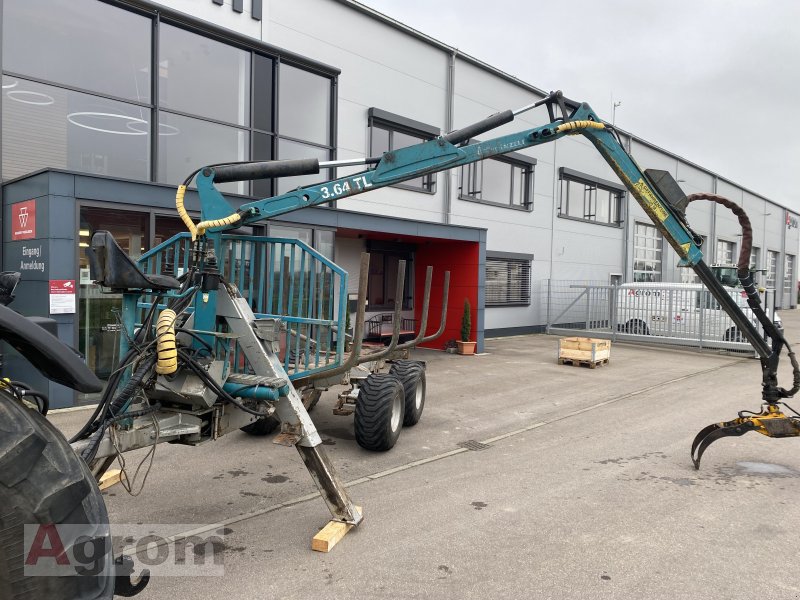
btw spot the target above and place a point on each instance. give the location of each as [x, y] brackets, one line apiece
[575, 362]
[583, 351]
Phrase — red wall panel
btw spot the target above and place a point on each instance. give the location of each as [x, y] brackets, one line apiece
[462, 260]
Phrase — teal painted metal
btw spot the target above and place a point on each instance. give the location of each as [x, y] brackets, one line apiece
[286, 297]
[246, 391]
[438, 154]
[282, 279]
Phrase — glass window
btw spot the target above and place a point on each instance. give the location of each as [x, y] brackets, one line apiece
[304, 234]
[647, 253]
[324, 242]
[382, 285]
[186, 144]
[288, 149]
[385, 137]
[788, 275]
[46, 126]
[262, 92]
[725, 252]
[82, 43]
[262, 150]
[99, 313]
[508, 282]
[203, 77]
[304, 109]
[499, 181]
[772, 269]
[590, 200]
[755, 261]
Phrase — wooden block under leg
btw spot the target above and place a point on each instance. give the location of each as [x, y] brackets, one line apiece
[330, 535]
[109, 478]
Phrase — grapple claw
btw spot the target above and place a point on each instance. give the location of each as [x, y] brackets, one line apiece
[770, 422]
[712, 433]
[124, 584]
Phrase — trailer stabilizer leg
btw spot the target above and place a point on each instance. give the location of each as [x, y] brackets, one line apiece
[332, 490]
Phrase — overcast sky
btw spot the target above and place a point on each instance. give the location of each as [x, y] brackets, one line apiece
[714, 81]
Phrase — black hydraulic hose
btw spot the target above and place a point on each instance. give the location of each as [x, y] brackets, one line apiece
[134, 383]
[42, 400]
[113, 383]
[746, 279]
[216, 388]
[21, 389]
[144, 369]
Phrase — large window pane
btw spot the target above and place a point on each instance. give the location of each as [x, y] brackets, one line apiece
[304, 111]
[262, 93]
[508, 282]
[788, 275]
[380, 141]
[82, 43]
[187, 144]
[289, 150]
[593, 201]
[324, 243]
[46, 126]
[772, 269]
[496, 182]
[204, 77]
[262, 150]
[99, 325]
[646, 262]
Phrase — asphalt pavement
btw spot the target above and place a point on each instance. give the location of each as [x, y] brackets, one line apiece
[580, 486]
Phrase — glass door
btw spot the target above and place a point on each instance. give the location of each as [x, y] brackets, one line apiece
[100, 313]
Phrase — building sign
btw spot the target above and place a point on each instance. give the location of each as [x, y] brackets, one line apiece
[238, 6]
[791, 221]
[23, 220]
[62, 296]
[32, 259]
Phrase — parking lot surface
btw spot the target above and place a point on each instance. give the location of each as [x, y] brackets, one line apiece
[585, 488]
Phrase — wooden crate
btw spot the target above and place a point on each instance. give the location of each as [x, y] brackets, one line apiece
[583, 351]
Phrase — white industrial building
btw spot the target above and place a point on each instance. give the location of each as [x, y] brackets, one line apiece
[183, 83]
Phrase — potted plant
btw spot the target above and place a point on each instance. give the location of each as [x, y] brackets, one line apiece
[465, 346]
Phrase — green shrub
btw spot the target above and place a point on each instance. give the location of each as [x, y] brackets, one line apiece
[466, 322]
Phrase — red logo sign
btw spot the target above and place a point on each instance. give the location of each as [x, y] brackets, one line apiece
[62, 286]
[23, 220]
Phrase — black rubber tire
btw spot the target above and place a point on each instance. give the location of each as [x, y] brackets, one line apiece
[42, 480]
[261, 427]
[637, 327]
[379, 412]
[412, 376]
[733, 335]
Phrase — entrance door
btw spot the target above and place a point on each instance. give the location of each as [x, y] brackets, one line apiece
[100, 314]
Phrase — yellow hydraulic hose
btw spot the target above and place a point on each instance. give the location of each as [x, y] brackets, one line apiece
[575, 125]
[187, 220]
[229, 220]
[166, 348]
[201, 227]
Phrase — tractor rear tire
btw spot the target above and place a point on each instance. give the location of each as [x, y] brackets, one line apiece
[379, 412]
[412, 375]
[261, 427]
[43, 481]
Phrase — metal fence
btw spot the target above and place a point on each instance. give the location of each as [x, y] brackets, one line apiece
[656, 313]
[280, 279]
